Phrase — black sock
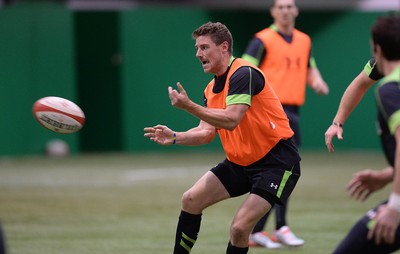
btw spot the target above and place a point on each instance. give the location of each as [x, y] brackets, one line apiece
[280, 215]
[186, 232]
[259, 227]
[236, 250]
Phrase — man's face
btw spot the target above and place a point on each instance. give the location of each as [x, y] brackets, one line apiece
[284, 12]
[210, 55]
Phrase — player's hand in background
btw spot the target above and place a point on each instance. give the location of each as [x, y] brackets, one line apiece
[333, 131]
[367, 181]
[320, 87]
[386, 222]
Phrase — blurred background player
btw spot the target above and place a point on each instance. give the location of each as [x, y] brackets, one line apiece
[283, 53]
[378, 230]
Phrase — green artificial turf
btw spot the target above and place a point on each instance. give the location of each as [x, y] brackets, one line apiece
[115, 203]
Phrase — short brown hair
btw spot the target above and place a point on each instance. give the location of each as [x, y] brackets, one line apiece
[386, 33]
[218, 32]
[274, 3]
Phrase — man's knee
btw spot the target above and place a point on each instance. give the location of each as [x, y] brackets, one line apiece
[187, 198]
[190, 204]
[239, 232]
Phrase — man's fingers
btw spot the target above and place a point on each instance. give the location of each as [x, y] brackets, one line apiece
[148, 129]
[339, 135]
[372, 233]
[328, 142]
[353, 189]
[160, 126]
[180, 87]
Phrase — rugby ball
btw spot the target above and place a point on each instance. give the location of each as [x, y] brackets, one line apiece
[58, 114]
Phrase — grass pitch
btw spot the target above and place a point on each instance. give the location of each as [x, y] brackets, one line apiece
[119, 204]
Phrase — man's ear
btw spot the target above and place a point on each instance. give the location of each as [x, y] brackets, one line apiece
[296, 11]
[225, 46]
[377, 50]
[272, 12]
[373, 46]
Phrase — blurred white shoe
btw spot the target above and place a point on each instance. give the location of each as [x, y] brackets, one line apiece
[285, 236]
[262, 239]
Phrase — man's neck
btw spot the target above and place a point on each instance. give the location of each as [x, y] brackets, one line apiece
[389, 66]
[286, 30]
[227, 62]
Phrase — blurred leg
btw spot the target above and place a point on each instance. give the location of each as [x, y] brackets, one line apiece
[356, 240]
[259, 227]
[2, 242]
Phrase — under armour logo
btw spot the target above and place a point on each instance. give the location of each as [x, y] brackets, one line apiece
[275, 186]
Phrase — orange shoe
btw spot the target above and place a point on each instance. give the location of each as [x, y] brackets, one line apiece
[262, 239]
[285, 236]
[253, 244]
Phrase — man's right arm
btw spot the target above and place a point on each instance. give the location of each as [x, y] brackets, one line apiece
[352, 96]
[350, 99]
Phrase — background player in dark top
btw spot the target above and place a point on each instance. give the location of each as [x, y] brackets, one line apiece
[378, 231]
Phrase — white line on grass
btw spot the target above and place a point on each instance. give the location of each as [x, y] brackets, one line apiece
[92, 178]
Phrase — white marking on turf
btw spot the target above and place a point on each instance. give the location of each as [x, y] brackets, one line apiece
[154, 174]
[94, 178]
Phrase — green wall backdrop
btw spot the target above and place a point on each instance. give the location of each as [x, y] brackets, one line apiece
[118, 66]
[36, 60]
[98, 83]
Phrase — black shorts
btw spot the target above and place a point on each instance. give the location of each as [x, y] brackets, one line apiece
[272, 178]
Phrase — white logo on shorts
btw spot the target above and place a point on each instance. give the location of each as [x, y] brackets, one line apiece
[275, 186]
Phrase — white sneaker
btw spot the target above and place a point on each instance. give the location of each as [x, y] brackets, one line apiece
[286, 237]
[261, 238]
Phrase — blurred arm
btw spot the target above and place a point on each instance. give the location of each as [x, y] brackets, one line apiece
[352, 96]
[396, 182]
[316, 82]
[367, 181]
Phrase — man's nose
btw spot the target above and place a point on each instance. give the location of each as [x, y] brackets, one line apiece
[198, 53]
